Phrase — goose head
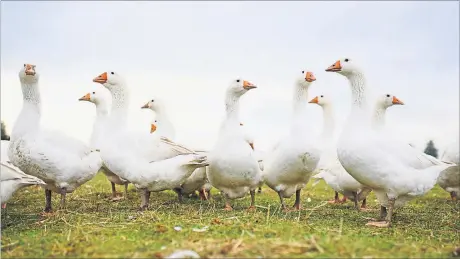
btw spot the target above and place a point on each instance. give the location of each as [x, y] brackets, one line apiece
[306, 78]
[344, 67]
[238, 87]
[154, 104]
[109, 79]
[320, 100]
[93, 97]
[388, 100]
[28, 74]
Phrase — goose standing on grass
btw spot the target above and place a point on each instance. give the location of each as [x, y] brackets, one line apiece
[289, 166]
[395, 171]
[449, 179]
[329, 167]
[233, 168]
[102, 113]
[151, 163]
[62, 162]
[162, 127]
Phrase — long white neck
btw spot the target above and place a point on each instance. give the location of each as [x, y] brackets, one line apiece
[300, 100]
[120, 104]
[378, 118]
[102, 109]
[328, 122]
[359, 95]
[29, 117]
[102, 114]
[232, 108]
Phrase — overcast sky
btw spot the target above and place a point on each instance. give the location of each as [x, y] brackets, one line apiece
[187, 53]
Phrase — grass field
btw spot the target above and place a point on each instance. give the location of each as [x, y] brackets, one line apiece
[92, 226]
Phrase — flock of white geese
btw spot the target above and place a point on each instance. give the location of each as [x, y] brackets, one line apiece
[364, 158]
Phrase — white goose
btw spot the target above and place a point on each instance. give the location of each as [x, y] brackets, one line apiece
[329, 167]
[395, 171]
[62, 162]
[289, 166]
[233, 169]
[449, 179]
[383, 103]
[102, 104]
[12, 178]
[162, 127]
[150, 163]
[166, 129]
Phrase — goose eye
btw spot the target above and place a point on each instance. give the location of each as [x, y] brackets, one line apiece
[237, 80]
[346, 60]
[388, 95]
[322, 96]
[303, 72]
[155, 120]
[112, 73]
[24, 65]
[94, 92]
[152, 100]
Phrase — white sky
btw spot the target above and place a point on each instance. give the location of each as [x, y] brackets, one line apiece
[187, 53]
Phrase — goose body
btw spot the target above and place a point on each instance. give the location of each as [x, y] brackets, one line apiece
[62, 162]
[289, 166]
[330, 168]
[102, 104]
[233, 168]
[150, 162]
[163, 127]
[395, 171]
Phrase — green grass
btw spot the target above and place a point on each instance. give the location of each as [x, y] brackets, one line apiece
[92, 226]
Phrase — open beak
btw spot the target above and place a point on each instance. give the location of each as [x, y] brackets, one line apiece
[146, 106]
[314, 100]
[101, 79]
[30, 70]
[309, 77]
[397, 101]
[248, 86]
[87, 97]
[336, 67]
[152, 128]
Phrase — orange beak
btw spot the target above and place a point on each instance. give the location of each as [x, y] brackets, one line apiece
[309, 77]
[152, 128]
[314, 100]
[146, 106]
[252, 145]
[247, 85]
[397, 101]
[101, 79]
[336, 67]
[87, 97]
[30, 70]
